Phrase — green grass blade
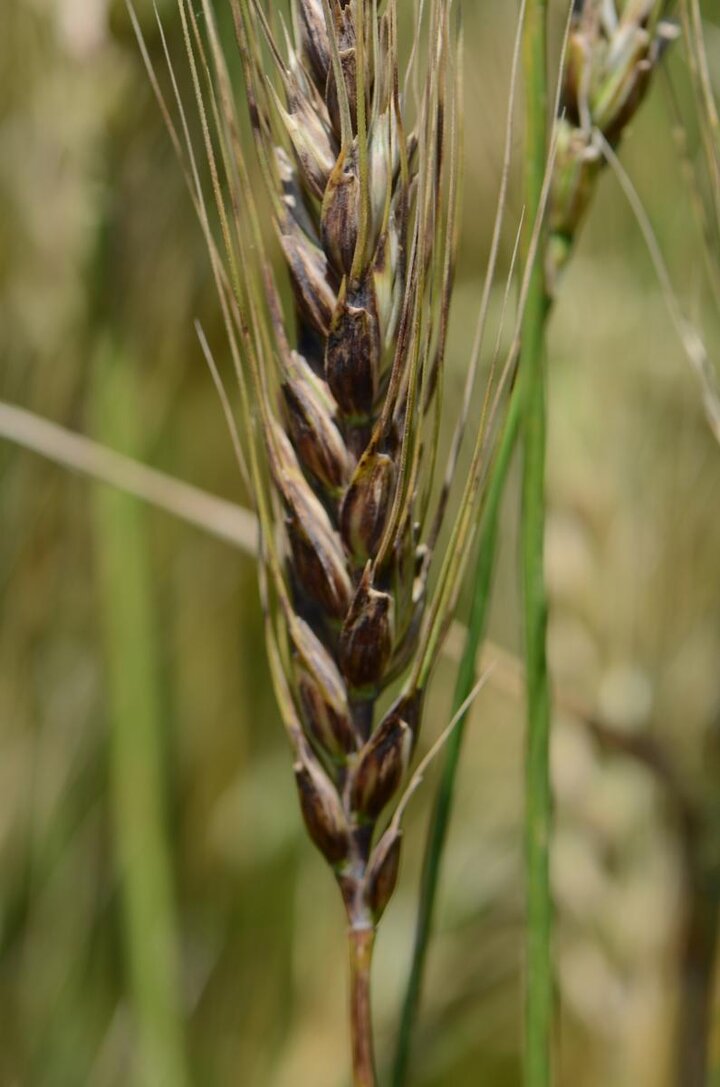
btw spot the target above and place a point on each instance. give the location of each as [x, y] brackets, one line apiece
[466, 678]
[137, 759]
[538, 801]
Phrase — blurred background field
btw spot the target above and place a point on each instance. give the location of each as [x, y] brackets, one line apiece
[131, 642]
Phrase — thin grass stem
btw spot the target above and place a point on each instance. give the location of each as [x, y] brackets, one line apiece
[538, 800]
[137, 761]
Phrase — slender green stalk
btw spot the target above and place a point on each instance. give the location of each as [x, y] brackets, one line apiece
[466, 678]
[538, 800]
[137, 768]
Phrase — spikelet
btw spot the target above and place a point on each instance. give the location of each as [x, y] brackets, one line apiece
[613, 49]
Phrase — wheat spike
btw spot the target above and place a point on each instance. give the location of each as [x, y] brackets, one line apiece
[363, 210]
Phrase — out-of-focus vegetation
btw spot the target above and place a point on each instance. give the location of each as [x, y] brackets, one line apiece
[117, 620]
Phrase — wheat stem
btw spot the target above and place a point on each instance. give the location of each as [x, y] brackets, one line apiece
[539, 983]
[137, 762]
[360, 946]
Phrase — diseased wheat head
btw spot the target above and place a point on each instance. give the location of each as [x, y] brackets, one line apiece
[363, 211]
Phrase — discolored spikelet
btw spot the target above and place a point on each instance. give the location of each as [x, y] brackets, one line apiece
[383, 872]
[366, 641]
[322, 811]
[381, 766]
[310, 415]
[322, 693]
[352, 354]
[366, 504]
[340, 213]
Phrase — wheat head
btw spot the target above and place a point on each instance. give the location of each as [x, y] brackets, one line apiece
[361, 209]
